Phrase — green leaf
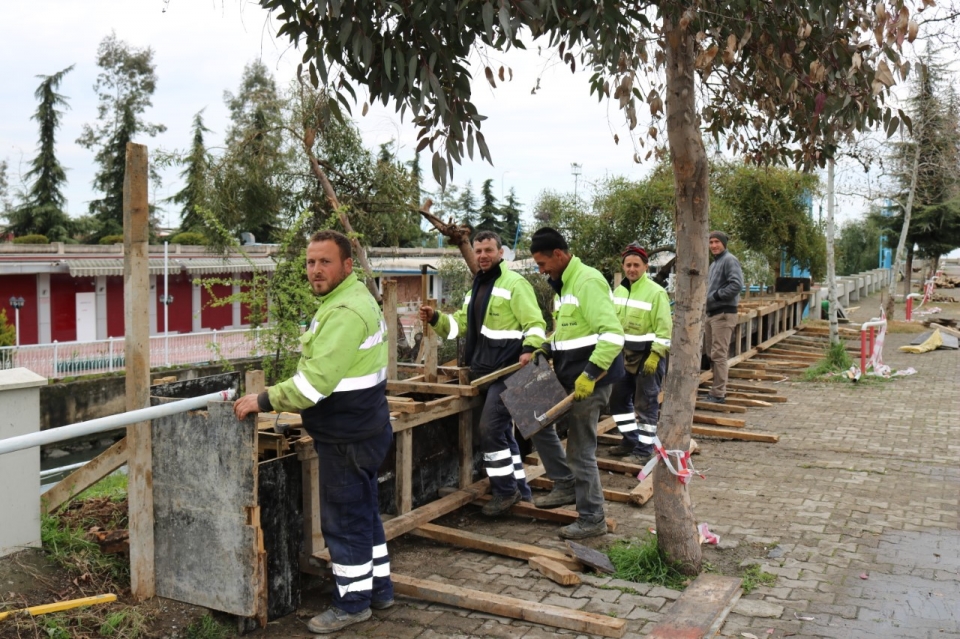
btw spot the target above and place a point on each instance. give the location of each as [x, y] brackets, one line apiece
[487, 15]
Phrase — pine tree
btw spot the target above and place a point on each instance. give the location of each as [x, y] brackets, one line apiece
[489, 214]
[467, 205]
[42, 211]
[125, 88]
[510, 214]
[195, 176]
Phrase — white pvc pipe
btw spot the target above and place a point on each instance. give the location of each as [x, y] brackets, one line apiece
[51, 472]
[112, 422]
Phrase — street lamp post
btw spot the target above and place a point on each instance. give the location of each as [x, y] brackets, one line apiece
[576, 169]
[17, 304]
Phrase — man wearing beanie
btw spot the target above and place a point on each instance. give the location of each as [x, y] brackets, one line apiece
[587, 344]
[724, 281]
[644, 311]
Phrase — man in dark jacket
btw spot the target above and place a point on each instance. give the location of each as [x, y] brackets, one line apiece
[724, 282]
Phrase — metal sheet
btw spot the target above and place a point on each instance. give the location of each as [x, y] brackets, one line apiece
[531, 392]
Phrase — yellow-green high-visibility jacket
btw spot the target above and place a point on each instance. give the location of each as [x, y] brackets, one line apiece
[341, 381]
[512, 323]
[589, 337]
[644, 311]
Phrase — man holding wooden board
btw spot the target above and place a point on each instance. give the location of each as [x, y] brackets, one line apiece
[588, 342]
[503, 325]
[340, 392]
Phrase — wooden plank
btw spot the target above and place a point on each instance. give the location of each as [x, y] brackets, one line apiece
[429, 388]
[436, 409]
[84, 477]
[465, 430]
[409, 406]
[495, 375]
[254, 381]
[644, 490]
[734, 400]
[751, 388]
[754, 374]
[554, 571]
[532, 611]
[795, 354]
[701, 610]
[494, 545]
[768, 398]
[136, 314]
[404, 471]
[719, 408]
[312, 535]
[593, 558]
[709, 420]
[558, 515]
[609, 494]
[727, 433]
[390, 319]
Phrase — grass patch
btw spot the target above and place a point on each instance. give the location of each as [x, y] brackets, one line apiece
[128, 623]
[753, 577]
[113, 486]
[640, 560]
[68, 547]
[206, 627]
[835, 360]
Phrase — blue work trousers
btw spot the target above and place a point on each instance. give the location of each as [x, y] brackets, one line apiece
[635, 405]
[501, 454]
[350, 520]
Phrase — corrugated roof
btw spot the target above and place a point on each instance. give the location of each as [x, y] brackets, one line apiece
[94, 268]
[210, 266]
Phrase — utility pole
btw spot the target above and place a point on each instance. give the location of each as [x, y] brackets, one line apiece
[576, 169]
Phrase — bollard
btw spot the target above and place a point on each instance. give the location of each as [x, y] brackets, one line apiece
[910, 304]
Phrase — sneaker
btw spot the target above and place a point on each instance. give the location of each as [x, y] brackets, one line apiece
[382, 604]
[333, 619]
[561, 495]
[713, 399]
[639, 460]
[500, 504]
[621, 450]
[581, 529]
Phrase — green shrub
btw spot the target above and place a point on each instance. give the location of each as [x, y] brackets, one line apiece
[111, 239]
[189, 238]
[35, 238]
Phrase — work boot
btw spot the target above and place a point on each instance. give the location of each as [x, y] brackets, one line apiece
[333, 619]
[621, 450]
[639, 460]
[382, 604]
[713, 399]
[500, 504]
[561, 495]
[581, 529]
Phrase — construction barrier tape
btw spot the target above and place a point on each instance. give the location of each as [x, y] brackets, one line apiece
[684, 468]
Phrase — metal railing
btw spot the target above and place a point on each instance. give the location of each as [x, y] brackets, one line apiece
[71, 359]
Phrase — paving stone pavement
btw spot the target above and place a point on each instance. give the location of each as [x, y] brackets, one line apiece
[858, 501]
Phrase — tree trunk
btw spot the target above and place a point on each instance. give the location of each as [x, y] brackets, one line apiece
[676, 524]
[458, 234]
[908, 274]
[831, 257]
[898, 260]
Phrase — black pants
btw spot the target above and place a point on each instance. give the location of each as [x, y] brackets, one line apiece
[501, 454]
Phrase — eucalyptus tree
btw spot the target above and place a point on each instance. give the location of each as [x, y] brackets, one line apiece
[776, 82]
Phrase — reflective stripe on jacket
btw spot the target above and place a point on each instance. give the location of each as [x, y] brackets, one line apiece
[341, 379]
[589, 337]
[512, 324]
[644, 312]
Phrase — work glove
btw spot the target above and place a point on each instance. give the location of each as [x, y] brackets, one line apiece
[543, 351]
[583, 387]
[650, 366]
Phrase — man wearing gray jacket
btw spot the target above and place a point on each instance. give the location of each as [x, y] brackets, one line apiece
[724, 281]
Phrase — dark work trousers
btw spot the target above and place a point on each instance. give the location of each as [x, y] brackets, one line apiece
[635, 404]
[501, 455]
[350, 520]
[577, 465]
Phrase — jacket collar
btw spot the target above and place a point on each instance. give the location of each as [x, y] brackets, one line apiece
[347, 283]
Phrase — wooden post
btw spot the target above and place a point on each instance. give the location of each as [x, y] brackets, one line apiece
[404, 471]
[430, 344]
[390, 318]
[466, 447]
[136, 315]
[312, 536]
[255, 382]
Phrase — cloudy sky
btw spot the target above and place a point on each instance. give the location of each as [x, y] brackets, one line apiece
[200, 49]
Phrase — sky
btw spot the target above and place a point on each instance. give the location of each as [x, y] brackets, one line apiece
[200, 49]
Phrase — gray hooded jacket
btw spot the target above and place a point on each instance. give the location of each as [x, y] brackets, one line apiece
[724, 281]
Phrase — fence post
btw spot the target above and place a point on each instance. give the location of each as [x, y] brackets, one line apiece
[110, 366]
[55, 359]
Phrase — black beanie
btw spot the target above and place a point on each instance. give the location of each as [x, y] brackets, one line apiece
[720, 235]
[547, 240]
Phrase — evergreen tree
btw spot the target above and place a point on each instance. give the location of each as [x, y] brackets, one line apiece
[466, 204]
[489, 214]
[125, 88]
[5, 205]
[510, 214]
[195, 176]
[42, 210]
